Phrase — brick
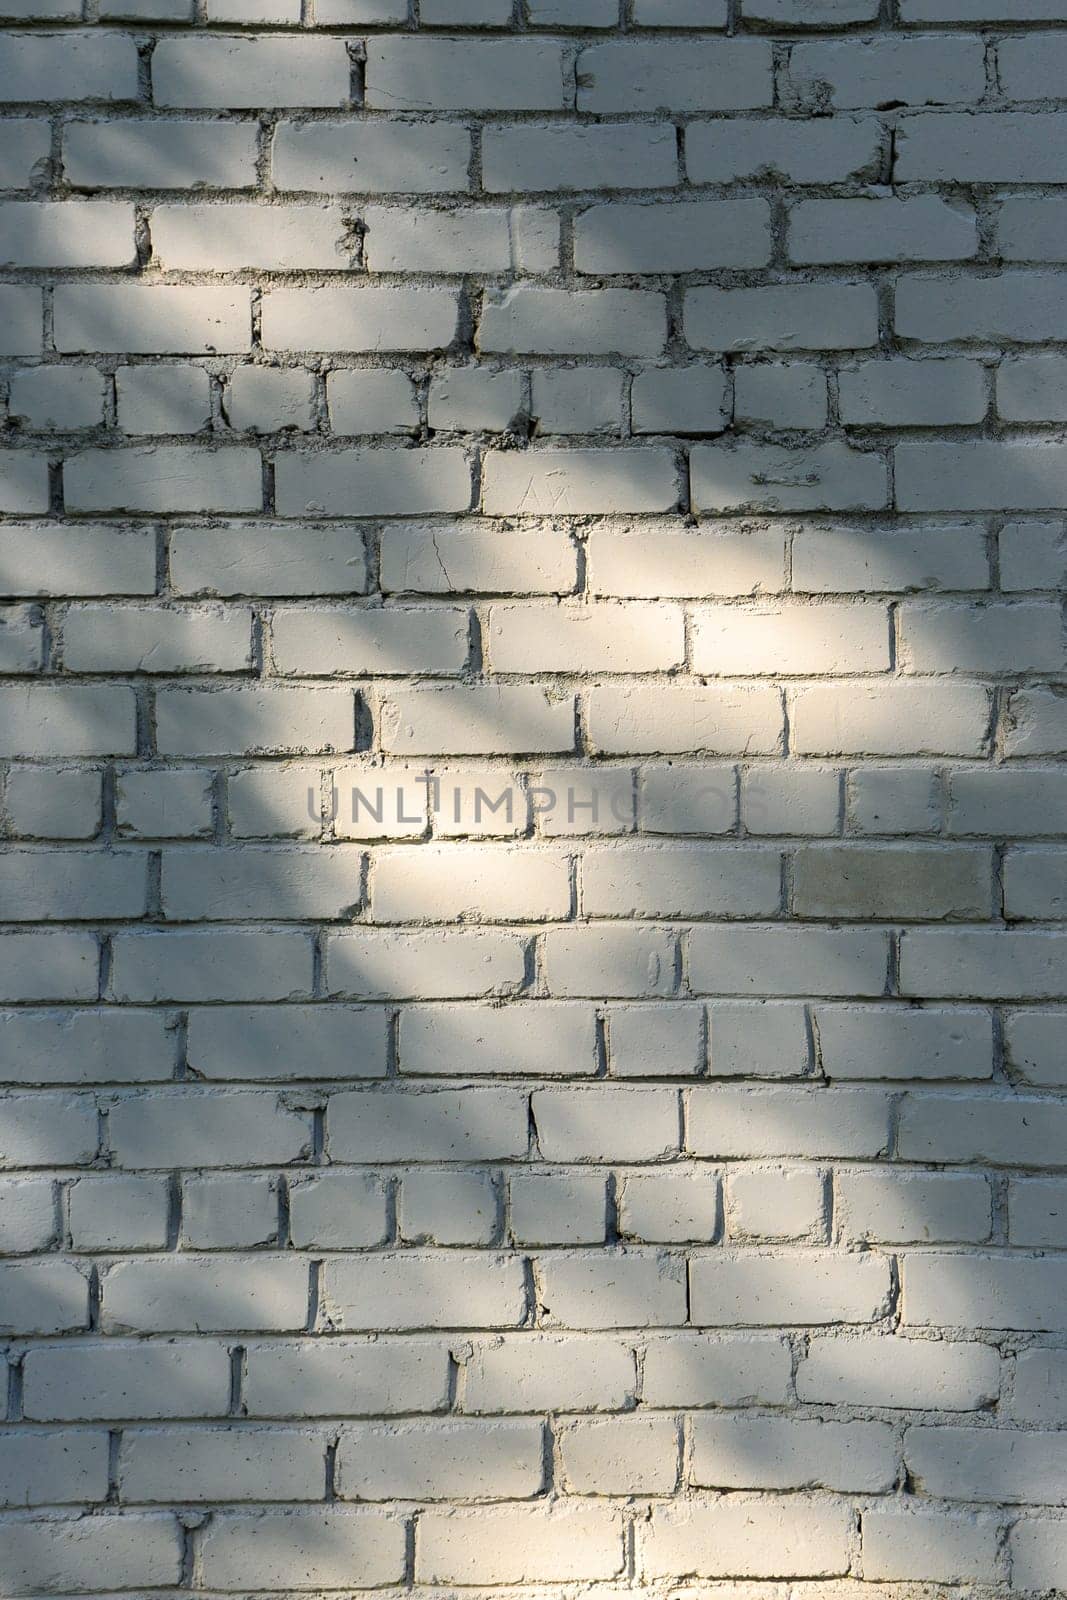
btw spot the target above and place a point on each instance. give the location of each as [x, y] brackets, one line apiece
[691, 75]
[360, 319]
[551, 157]
[764, 478]
[26, 151]
[1031, 230]
[56, 1554]
[322, 1546]
[776, 1453]
[378, 964]
[760, 1290]
[894, 800]
[687, 799]
[1001, 1132]
[227, 1213]
[371, 402]
[922, 229]
[592, 960]
[529, 320]
[118, 1212]
[789, 1203]
[995, 1292]
[268, 720]
[911, 394]
[537, 1371]
[720, 719]
[1036, 1210]
[434, 1125]
[419, 1289]
[21, 333]
[949, 1549]
[67, 66]
[679, 400]
[161, 478]
[159, 154]
[158, 399]
[728, 1122]
[264, 401]
[924, 1374]
[559, 1208]
[392, 157]
[906, 1208]
[49, 966]
[39, 233]
[1019, 307]
[624, 1288]
[1037, 1553]
[498, 885]
[741, 1537]
[802, 316]
[151, 319]
[1032, 1046]
[680, 237]
[680, 881]
[383, 482]
[465, 1460]
[620, 1455]
[113, 1380]
[239, 72]
[475, 720]
[198, 964]
[904, 1042]
[259, 559]
[513, 1544]
[838, 561]
[958, 1463]
[57, 397]
[1035, 723]
[788, 639]
[697, 1369]
[830, 151]
[1038, 1393]
[623, 1124]
[29, 1217]
[982, 963]
[891, 719]
[780, 394]
[267, 1042]
[782, 961]
[877, 882]
[447, 1208]
[174, 1128]
[345, 1377]
[43, 1297]
[53, 802]
[845, 74]
[757, 1039]
[578, 400]
[380, 641]
[656, 563]
[669, 1208]
[421, 74]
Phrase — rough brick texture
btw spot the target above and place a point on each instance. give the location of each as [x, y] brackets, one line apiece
[533, 799]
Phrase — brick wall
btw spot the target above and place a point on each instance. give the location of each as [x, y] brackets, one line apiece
[533, 716]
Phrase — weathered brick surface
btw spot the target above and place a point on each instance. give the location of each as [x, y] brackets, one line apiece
[533, 807]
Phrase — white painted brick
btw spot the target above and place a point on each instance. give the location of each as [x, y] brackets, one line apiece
[440, 1460]
[431, 1125]
[654, 1041]
[684, 75]
[558, 1208]
[912, 1207]
[374, 641]
[422, 1289]
[56, 1554]
[782, 1203]
[780, 1453]
[229, 1213]
[238, 72]
[512, 1544]
[362, 319]
[159, 154]
[926, 1374]
[806, 316]
[947, 1549]
[448, 1207]
[841, 560]
[627, 1288]
[819, 151]
[578, 400]
[391, 157]
[384, 482]
[204, 1294]
[28, 1215]
[57, 397]
[669, 1208]
[647, 560]
[842, 74]
[929, 718]
[996, 1292]
[535, 321]
[680, 881]
[371, 402]
[747, 1289]
[378, 964]
[115, 1379]
[620, 1455]
[675, 798]
[721, 719]
[119, 1212]
[345, 1377]
[336, 1211]
[540, 1371]
[423, 74]
[322, 1546]
[597, 960]
[737, 1536]
[617, 155]
[697, 1369]
[783, 961]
